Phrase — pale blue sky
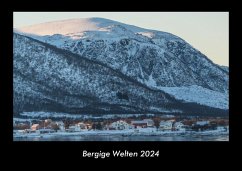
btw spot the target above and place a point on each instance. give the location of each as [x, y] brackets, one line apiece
[206, 31]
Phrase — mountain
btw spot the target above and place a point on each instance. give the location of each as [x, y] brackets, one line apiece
[50, 79]
[155, 60]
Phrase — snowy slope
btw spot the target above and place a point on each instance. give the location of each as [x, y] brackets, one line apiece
[199, 95]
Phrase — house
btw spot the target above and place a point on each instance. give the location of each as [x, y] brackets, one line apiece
[46, 123]
[35, 127]
[89, 126]
[201, 126]
[78, 127]
[120, 125]
[150, 122]
[21, 131]
[82, 125]
[178, 126]
[139, 124]
[73, 128]
[61, 125]
[166, 125]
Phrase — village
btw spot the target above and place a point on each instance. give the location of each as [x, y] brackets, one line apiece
[155, 125]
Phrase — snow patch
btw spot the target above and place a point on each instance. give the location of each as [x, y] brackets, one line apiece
[147, 34]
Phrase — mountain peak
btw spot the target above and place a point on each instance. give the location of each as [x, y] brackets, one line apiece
[72, 26]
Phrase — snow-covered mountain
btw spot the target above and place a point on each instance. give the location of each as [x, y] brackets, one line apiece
[158, 60]
[51, 79]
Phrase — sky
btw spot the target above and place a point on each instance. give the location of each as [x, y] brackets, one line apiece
[208, 32]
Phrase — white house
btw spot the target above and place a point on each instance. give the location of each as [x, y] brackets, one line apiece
[78, 127]
[61, 125]
[179, 126]
[150, 122]
[166, 125]
[120, 125]
[73, 128]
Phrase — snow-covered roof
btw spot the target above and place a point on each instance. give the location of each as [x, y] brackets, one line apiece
[165, 123]
[138, 122]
